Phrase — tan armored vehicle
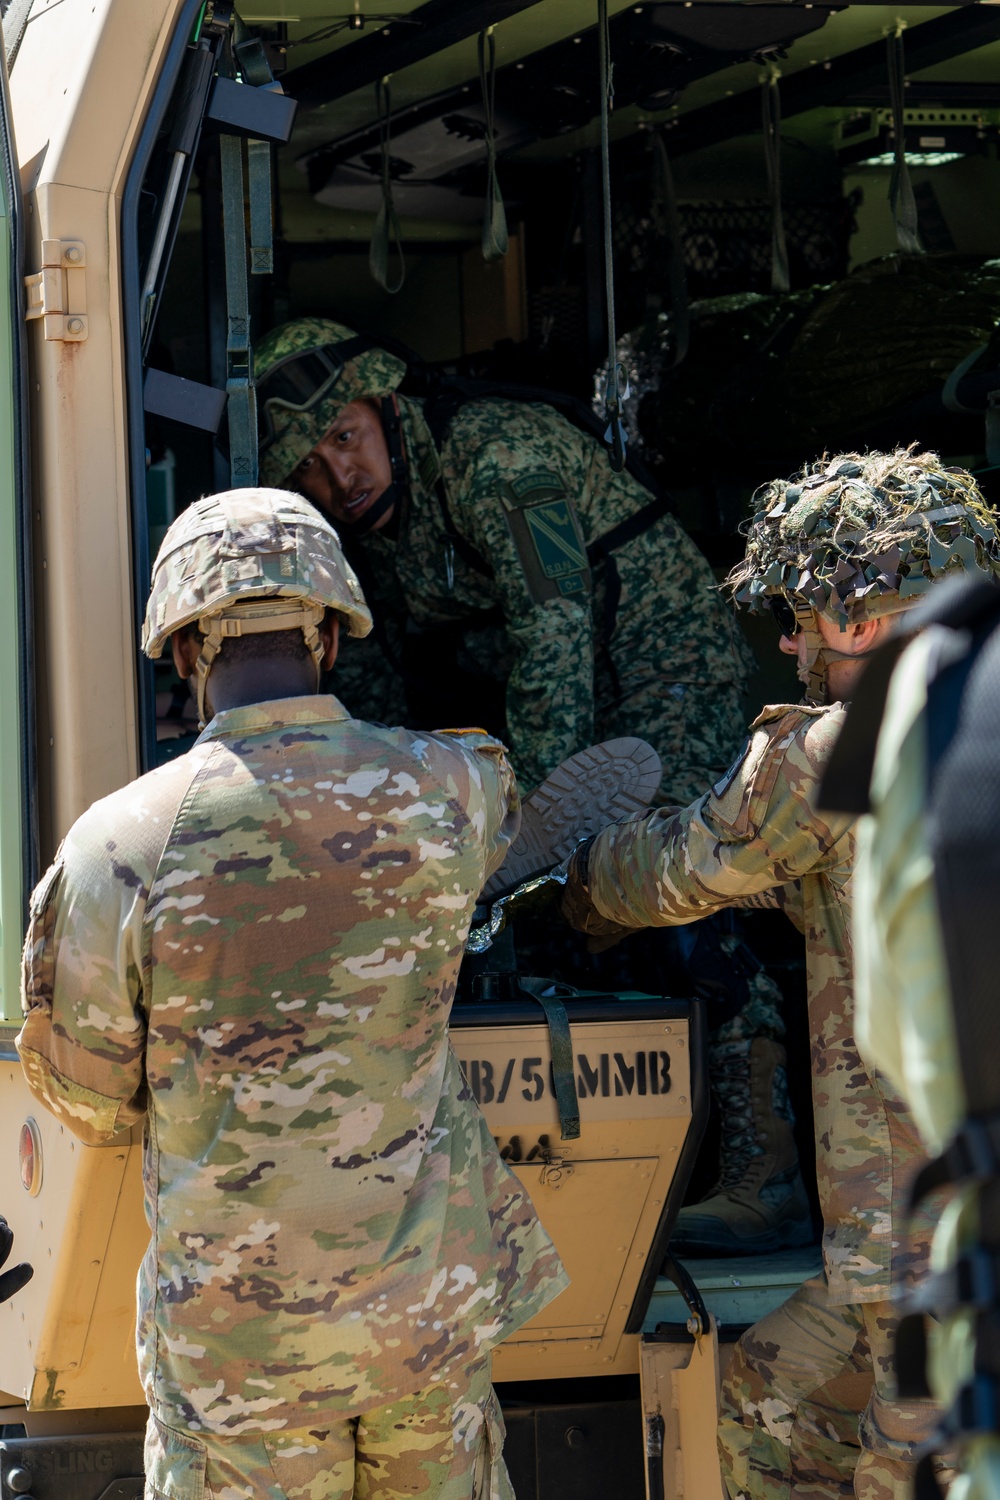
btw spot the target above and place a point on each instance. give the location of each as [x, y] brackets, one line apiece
[178, 179]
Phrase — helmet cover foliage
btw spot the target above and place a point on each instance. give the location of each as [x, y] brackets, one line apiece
[863, 535]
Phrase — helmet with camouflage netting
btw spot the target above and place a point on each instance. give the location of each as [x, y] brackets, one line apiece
[306, 372]
[247, 562]
[860, 536]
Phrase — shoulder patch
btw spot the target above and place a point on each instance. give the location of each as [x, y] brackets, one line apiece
[741, 796]
[530, 489]
[547, 535]
[727, 778]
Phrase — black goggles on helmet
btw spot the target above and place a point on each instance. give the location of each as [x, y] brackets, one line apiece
[784, 615]
[300, 382]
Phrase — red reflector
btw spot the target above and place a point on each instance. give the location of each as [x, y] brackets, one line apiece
[29, 1153]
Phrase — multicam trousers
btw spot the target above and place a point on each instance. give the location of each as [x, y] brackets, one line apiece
[439, 1444]
[808, 1407]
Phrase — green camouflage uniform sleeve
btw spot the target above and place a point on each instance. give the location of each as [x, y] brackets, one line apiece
[82, 1046]
[514, 501]
[497, 817]
[757, 829]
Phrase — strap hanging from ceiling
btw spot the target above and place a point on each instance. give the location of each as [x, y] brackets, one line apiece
[386, 232]
[615, 381]
[669, 230]
[771, 122]
[253, 64]
[901, 199]
[242, 403]
[495, 239]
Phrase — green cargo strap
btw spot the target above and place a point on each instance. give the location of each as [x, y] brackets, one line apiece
[771, 121]
[256, 70]
[901, 199]
[239, 370]
[495, 240]
[561, 1046]
[386, 231]
[261, 223]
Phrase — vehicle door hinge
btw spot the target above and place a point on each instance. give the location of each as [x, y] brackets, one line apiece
[58, 292]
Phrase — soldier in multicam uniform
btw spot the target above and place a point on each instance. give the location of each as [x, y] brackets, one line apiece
[252, 950]
[494, 521]
[808, 1406]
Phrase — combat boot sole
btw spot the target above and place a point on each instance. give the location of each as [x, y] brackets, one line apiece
[589, 790]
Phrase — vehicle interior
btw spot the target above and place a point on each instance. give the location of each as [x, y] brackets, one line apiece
[797, 213]
[784, 280]
[785, 232]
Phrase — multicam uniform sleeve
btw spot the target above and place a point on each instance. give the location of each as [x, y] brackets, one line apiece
[757, 831]
[515, 505]
[82, 1045]
[491, 794]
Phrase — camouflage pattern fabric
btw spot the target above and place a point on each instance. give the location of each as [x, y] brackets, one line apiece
[253, 949]
[529, 492]
[864, 535]
[443, 1443]
[905, 1020]
[244, 545]
[808, 1407]
[759, 838]
[373, 372]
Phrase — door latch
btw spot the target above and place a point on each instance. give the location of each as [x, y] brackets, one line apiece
[58, 292]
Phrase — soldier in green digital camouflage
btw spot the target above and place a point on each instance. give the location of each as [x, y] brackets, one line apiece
[809, 1406]
[601, 617]
[252, 951]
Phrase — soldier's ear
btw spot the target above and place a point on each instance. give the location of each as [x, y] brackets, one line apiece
[329, 634]
[866, 633]
[185, 646]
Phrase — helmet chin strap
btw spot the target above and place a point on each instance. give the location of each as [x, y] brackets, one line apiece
[257, 617]
[819, 656]
[395, 491]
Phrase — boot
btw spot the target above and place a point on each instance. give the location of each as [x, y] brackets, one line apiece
[589, 790]
[759, 1202]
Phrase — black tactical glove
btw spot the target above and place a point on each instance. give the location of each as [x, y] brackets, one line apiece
[578, 909]
[18, 1276]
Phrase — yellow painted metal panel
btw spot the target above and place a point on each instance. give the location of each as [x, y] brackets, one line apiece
[80, 89]
[634, 1085]
[68, 1339]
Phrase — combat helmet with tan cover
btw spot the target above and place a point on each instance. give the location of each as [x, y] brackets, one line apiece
[246, 562]
[857, 537]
